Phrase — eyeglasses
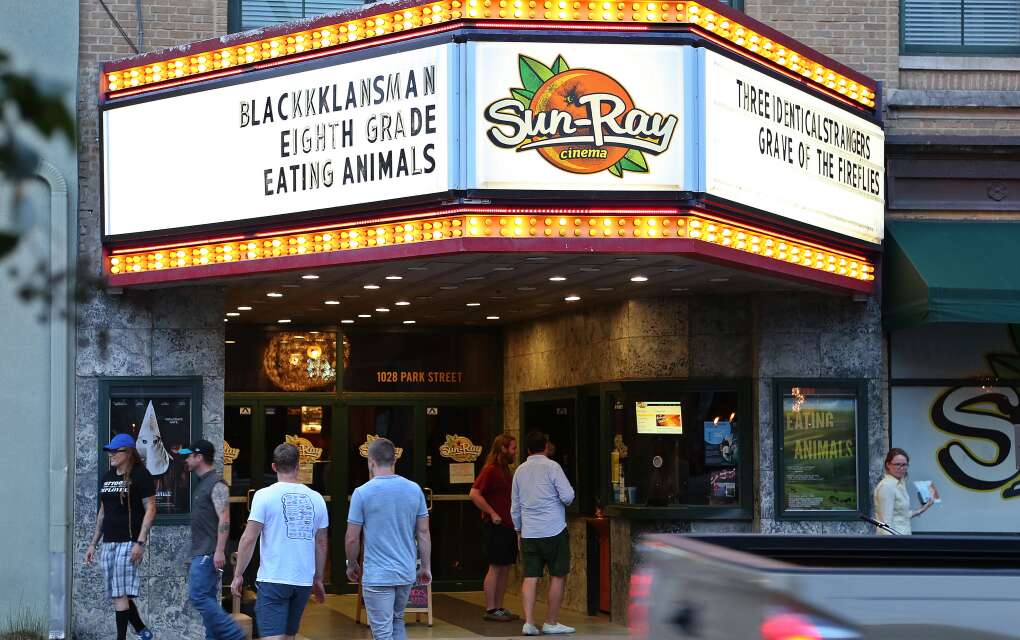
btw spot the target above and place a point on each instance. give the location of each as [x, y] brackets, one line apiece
[899, 464]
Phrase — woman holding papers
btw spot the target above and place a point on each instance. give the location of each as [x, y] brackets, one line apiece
[892, 500]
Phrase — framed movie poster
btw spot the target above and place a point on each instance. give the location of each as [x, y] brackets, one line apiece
[163, 415]
[821, 449]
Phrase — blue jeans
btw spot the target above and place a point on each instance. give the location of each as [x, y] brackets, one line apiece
[278, 608]
[385, 608]
[204, 593]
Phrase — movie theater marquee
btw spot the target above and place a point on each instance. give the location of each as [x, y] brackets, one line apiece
[508, 116]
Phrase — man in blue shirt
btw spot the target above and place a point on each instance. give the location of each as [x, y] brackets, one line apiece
[538, 500]
[390, 511]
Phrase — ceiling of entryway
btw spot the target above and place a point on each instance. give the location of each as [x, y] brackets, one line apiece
[478, 288]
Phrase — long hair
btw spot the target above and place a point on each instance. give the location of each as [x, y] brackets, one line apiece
[133, 459]
[495, 456]
[895, 451]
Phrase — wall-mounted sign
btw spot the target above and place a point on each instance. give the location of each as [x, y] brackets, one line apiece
[820, 471]
[303, 141]
[782, 150]
[460, 448]
[420, 377]
[462, 473]
[577, 117]
[662, 418]
[244, 411]
[963, 435]
[363, 449]
[229, 455]
[308, 455]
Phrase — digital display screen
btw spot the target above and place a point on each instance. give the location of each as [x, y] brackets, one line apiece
[661, 418]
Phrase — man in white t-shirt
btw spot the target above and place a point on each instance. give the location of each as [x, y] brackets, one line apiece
[291, 520]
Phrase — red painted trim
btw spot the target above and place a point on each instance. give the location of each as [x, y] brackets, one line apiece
[679, 246]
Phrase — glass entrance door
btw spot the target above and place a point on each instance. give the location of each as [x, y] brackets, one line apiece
[442, 447]
[458, 439]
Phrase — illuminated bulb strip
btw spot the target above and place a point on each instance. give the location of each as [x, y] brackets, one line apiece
[503, 223]
[595, 15]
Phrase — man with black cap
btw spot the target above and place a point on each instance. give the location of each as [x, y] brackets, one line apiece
[210, 527]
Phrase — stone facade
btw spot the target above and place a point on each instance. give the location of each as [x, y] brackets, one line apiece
[759, 337]
[173, 332]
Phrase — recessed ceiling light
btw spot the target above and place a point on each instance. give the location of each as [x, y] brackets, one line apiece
[394, 277]
[364, 315]
[401, 303]
[314, 333]
[230, 341]
[603, 288]
[284, 321]
[408, 321]
[492, 317]
[557, 279]
[244, 308]
[572, 298]
[371, 286]
[233, 314]
[503, 268]
[382, 309]
[346, 322]
[332, 302]
[226, 319]
[718, 279]
[639, 279]
[449, 287]
[525, 288]
[274, 294]
[474, 304]
[309, 276]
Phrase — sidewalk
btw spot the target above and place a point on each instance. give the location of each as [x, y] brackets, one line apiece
[456, 615]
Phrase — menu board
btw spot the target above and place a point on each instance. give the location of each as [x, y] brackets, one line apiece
[661, 418]
[819, 450]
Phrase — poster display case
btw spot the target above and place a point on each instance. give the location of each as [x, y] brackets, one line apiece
[821, 449]
[163, 415]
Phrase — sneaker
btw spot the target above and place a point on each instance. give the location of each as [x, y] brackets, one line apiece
[499, 615]
[530, 630]
[145, 634]
[510, 615]
[556, 629]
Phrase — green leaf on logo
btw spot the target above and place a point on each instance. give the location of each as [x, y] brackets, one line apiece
[523, 96]
[634, 161]
[560, 65]
[616, 170]
[533, 73]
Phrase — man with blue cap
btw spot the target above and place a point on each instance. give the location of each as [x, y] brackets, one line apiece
[210, 527]
[127, 509]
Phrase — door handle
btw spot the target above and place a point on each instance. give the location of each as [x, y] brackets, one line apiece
[247, 502]
[428, 498]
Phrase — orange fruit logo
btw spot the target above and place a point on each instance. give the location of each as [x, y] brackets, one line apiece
[579, 120]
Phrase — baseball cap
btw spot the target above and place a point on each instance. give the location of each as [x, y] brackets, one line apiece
[121, 441]
[200, 446]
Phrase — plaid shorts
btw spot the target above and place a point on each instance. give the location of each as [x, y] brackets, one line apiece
[121, 574]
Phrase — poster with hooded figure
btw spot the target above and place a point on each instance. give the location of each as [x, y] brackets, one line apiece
[161, 427]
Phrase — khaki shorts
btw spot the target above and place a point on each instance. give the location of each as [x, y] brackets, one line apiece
[553, 552]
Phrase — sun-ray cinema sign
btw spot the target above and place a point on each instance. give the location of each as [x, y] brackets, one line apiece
[576, 117]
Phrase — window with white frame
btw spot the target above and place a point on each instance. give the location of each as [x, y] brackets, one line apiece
[960, 26]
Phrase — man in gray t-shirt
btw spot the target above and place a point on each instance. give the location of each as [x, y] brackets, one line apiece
[389, 512]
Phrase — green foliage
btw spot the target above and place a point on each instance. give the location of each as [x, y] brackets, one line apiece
[26, 104]
[533, 73]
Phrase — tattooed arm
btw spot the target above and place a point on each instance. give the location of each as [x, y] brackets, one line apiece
[221, 502]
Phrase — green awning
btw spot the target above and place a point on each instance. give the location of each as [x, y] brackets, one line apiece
[949, 271]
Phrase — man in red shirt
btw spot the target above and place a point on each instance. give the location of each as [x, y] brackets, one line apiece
[491, 494]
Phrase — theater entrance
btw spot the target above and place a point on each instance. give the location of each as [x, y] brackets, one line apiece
[442, 436]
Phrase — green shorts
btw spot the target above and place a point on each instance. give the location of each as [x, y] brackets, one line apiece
[540, 552]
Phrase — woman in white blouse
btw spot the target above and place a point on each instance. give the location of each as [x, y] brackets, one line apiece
[892, 500]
